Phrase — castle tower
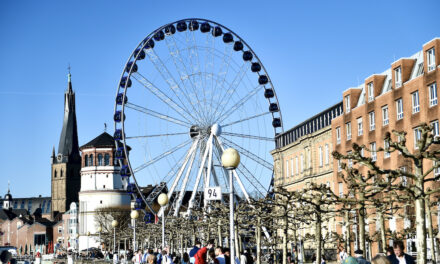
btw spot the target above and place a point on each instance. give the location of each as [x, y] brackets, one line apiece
[102, 187]
[66, 165]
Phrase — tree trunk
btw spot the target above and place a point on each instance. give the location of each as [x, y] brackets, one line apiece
[420, 229]
[286, 225]
[361, 224]
[382, 232]
[347, 233]
[258, 240]
[295, 241]
[430, 232]
[237, 248]
[219, 233]
[318, 238]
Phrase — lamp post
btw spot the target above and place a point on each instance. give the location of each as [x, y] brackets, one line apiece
[134, 215]
[163, 201]
[230, 161]
[99, 231]
[114, 225]
[88, 234]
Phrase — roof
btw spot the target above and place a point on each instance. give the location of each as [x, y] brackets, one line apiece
[103, 140]
[11, 214]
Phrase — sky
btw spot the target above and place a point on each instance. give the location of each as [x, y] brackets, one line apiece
[312, 50]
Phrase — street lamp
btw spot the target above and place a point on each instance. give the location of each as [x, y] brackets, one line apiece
[134, 215]
[114, 225]
[88, 234]
[163, 201]
[99, 231]
[230, 161]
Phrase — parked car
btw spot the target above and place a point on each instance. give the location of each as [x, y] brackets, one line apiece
[12, 250]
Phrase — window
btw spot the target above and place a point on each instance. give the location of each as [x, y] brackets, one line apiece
[327, 154]
[436, 165]
[373, 151]
[372, 121]
[22, 204]
[415, 102]
[91, 160]
[86, 161]
[360, 129]
[338, 135]
[287, 168]
[339, 165]
[61, 174]
[60, 230]
[107, 159]
[347, 104]
[399, 108]
[404, 180]
[370, 92]
[435, 130]
[291, 166]
[296, 165]
[15, 204]
[348, 128]
[55, 173]
[385, 115]
[386, 146]
[100, 161]
[398, 77]
[341, 189]
[433, 94]
[48, 206]
[417, 136]
[321, 158]
[430, 54]
[302, 162]
[350, 161]
[30, 205]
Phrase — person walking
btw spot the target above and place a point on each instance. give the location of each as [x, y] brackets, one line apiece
[212, 259]
[200, 256]
[194, 250]
[185, 259]
[220, 255]
[342, 255]
[400, 257]
[379, 259]
[166, 258]
[359, 255]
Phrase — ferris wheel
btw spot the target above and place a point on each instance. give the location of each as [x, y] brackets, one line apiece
[189, 90]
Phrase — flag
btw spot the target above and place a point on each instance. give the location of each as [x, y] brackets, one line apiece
[156, 219]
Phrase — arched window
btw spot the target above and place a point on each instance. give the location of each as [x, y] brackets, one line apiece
[99, 159]
[55, 173]
[86, 161]
[61, 174]
[106, 159]
[91, 160]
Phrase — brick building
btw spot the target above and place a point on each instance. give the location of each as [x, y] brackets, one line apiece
[400, 98]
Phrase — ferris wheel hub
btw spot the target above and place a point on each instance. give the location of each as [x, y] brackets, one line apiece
[216, 130]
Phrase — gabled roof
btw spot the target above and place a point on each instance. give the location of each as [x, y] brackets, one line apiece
[11, 214]
[103, 140]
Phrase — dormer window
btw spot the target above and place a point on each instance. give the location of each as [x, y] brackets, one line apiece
[100, 161]
[107, 159]
[370, 89]
[398, 77]
[430, 55]
[86, 161]
[347, 104]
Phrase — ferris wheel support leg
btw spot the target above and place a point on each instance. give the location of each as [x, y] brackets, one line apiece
[199, 174]
[242, 187]
[184, 184]
[179, 174]
[208, 172]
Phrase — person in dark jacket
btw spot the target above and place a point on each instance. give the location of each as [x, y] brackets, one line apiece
[359, 254]
[194, 250]
[400, 257]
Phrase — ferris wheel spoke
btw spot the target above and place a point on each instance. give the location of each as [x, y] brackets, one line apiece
[157, 114]
[158, 135]
[250, 178]
[169, 79]
[239, 104]
[245, 119]
[161, 156]
[248, 154]
[161, 95]
[184, 74]
[231, 89]
[247, 136]
[222, 73]
[184, 184]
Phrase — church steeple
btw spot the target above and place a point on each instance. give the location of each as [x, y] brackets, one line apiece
[68, 148]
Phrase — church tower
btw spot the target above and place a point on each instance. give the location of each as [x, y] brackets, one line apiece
[66, 164]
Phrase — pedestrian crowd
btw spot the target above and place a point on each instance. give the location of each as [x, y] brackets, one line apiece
[209, 254]
[394, 255]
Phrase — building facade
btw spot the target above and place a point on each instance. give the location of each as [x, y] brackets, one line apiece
[101, 187]
[400, 98]
[303, 155]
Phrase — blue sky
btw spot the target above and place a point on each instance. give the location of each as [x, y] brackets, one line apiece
[313, 50]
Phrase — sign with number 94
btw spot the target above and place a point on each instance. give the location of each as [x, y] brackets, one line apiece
[213, 193]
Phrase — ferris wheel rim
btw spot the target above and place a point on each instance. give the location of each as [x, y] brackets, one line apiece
[133, 58]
